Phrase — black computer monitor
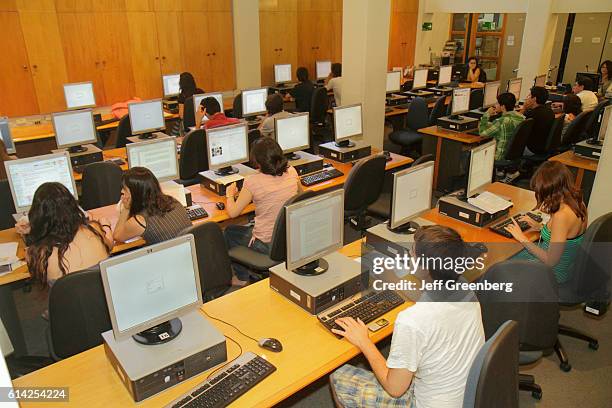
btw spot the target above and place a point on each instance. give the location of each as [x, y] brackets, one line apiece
[593, 76]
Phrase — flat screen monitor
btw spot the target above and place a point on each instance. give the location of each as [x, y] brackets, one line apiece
[394, 81]
[292, 133]
[254, 101]
[74, 128]
[482, 162]
[282, 73]
[226, 146]
[604, 123]
[514, 87]
[152, 286]
[314, 229]
[347, 122]
[79, 95]
[420, 79]
[445, 75]
[197, 99]
[323, 69]
[461, 101]
[412, 191]
[540, 80]
[158, 155]
[491, 90]
[146, 116]
[26, 175]
[171, 84]
[5, 135]
[6, 384]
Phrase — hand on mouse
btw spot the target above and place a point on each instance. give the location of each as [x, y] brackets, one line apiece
[355, 331]
[23, 226]
[231, 191]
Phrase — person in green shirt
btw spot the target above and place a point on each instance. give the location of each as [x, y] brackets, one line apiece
[502, 128]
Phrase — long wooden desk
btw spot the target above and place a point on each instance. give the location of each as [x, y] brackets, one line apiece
[584, 170]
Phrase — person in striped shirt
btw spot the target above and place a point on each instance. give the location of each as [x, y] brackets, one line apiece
[502, 128]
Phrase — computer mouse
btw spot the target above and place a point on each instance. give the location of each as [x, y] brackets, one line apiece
[387, 155]
[220, 206]
[478, 247]
[271, 344]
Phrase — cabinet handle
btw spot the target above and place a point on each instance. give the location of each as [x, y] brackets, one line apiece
[214, 53]
[280, 49]
[208, 55]
[35, 66]
[156, 58]
[164, 57]
[103, 63]
[25, 67]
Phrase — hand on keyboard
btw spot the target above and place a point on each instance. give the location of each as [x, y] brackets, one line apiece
[355, 331]
[516, 230]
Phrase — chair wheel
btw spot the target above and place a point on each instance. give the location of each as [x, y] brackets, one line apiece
[594, 345]
[565, 367]
[537, 395]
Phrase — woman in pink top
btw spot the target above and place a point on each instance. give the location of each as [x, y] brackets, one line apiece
[275, 183]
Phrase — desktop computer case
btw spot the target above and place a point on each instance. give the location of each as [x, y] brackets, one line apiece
[460, 210]
[345, 154]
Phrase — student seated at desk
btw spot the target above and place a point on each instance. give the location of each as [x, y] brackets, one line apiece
[274, 106]
[4, 156]
[188, 88]
[144, 210]
[275, 183]
[333, 82]
[61, 239]
[572, 106]
[535, 107]
[302, 92]
[210, 108]
[561, 236]
[433, 346]
[588, 98]
[605, 82]
[474, 72]
[502, 128]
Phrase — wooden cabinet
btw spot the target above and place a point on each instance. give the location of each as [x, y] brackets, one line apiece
[146, 65]
[316, 38]
[169, 41]
[222, 67]
[402, 39]
[278, 42]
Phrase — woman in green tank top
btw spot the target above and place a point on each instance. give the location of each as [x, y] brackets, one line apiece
[561, 236]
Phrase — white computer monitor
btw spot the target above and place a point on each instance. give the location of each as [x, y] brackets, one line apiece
[604, 124]
[314, 229]
[412, 191]
[146, 116]
[254, 101]
[74, 128]
[151, 286]
[79, 95]
[26, 175]
[158, 155]
[171, 84]
[5, 376]
[323, 68]
[482, 163]
[197, 99]
[226, 146]
[394, 81]
[540, 80]
[514, 87]
[347, 122]
[282, 73]
[445, 75]
[293, 132]
[420, 79]
[460, 101]
[491, 90]
[5, 135]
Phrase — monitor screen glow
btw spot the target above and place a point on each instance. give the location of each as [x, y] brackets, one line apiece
[79, 95]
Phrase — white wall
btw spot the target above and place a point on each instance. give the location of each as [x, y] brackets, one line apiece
[431, 41]
[599, 202]
[582, 6]
[476, 6]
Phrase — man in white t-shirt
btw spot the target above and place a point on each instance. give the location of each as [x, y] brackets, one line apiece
[588, 98]
[334, 82]
[433, 346]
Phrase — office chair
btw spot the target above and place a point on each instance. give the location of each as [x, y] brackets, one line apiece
[101, 185]
[188, 114]
[78, 313]
[214, 264]
[591, 127]
[574, 132]
[409, 138]
[516, 148]
[124, 130]
[237, 106]
[438, 110]
[533, 303]
[259, 263]
[320, 128]
[193, 158]
[362, 188]
[553, 141]
[253, 135]
[493, 377]
[7, 207]
[476, 97]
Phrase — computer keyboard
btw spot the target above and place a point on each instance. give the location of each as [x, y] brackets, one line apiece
[387, 110]
[367, 308]
[321, 176]
[117, 160]
[501, 227]
[232, 382]
[196, 212]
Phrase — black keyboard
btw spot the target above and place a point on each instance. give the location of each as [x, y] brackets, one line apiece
[196, 212]
[117, 160]
[501, 227]
[321, 176]
[232, 382]
[367, 308]
[388, 110]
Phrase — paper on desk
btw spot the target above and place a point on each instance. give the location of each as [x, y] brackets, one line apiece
[489, 202]
[8, 253]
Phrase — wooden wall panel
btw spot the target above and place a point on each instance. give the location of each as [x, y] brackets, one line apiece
[35, 5]
[222, 65]
[278, 42]
[195, 47]
[8, 5]
[144, 51]
[170, 41]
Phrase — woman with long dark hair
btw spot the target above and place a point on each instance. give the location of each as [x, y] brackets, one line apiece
[473, 70]
[188, 88]
[605, 80]
[144, 210]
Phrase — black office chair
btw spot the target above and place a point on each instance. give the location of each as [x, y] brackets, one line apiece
[476, 98]
[214, 264]
[188, 114]
[591, 127]
[362, 188]
[193, 158]
[101, 185]
[124, 130]
[253, 135]
[516, 147]
[493, 377]
[7, 207]
[552, 142]
[237, 106]
[320, 127]
[259, 263]
[574, 132]
[409, 138]
[483, 76]
[78, 313]
[438, 110]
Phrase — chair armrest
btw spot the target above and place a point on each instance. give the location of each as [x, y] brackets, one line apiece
[251, 259]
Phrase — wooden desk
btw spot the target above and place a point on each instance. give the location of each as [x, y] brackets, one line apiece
[583, 169]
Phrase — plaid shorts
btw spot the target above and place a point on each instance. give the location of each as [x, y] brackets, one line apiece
[356, 387]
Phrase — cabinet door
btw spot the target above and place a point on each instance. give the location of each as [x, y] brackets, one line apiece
[196, 51]
[402, 39]
[278, 42]
[145, 54]
[170, 42]
[18, 96]
[337, 33]
[221, 48]
[316, 38]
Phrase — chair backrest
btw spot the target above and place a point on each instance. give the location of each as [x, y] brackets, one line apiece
[319, 105]
[476, 97]
[519, 140]
[278, 245]
[493, 379]
[124, 130]
[483, 76]
[573, 133]
[554, 135]
[591, 126]
[188, 114]
[193, 157]
[78, 313]
[253, 135]
[101, 185]
[533, 302]
[237, 106]
[438, 110]
[7, 207]
[424, 158]
[417, 116]
[214, 264]
[364, 183]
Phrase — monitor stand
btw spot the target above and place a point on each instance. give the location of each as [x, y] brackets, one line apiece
[408, 228]
[77, 149]
[293, 156]
[226, 171]
[345, 143]
[147, 136]
[159, 334]
[313, 268]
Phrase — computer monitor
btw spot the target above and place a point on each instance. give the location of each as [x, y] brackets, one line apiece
[171, 85]
[323, 69]
[197, 99]
[491, 90]
[73, 129]
[420, 79]
[459, 72]
[445, 75]
[5, 376]
[147, 290]
[314, 229]
[5, 135]
[157, 155]
[412, 191]
[593, 76]
[460, 102]
[226, 146]
[394, 81]
[79, 95]
[603, 120]
[514, 87]
[26, 175]
[293, 133]
[540, 80]
[282, 73]
[254, 101]
[347, 123]
[482, 161]
[146, 117]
